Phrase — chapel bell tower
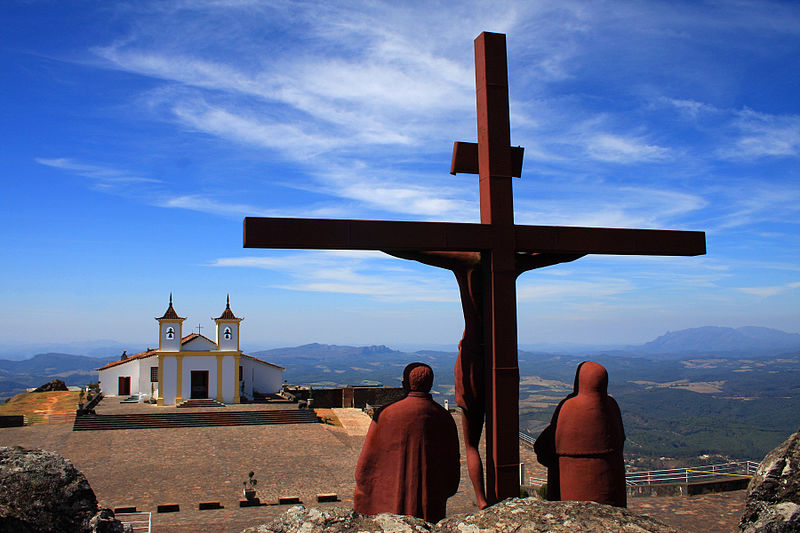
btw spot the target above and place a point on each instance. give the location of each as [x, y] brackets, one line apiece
[228, 329]
[170, 330]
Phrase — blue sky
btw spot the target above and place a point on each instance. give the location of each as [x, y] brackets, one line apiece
[137, 135]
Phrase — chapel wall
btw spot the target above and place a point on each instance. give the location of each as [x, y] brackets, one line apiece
[169, 380]
[228, 379]
[143, 385]
[109, 378]
[190, 363]
[265, 379]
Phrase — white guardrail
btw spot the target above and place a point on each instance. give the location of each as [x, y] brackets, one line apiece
[681, 475]
[672, 475]
[49, 418]
[692, 474]
[139, 522]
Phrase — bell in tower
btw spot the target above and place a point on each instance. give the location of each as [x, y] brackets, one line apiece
[228, 329]
[170, 327]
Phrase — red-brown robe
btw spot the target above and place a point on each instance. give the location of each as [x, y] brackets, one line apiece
[589, 439]
[410, 460]
[545, 445]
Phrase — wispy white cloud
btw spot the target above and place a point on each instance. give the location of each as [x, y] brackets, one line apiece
[206, 204]
[101, 176]
[767, 291]
[743, 134]
[618, 149]
[753, 203]
[691, 109]
[764, 135]
[561, 289]
[287, 137]
[370, 274]
[620, 206]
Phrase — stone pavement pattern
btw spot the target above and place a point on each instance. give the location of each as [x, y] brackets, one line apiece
[707, 513]
[148, 467]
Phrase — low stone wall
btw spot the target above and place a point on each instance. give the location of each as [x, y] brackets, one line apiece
[327, 398]
[11, 421]
[724, 485]
[376, 395]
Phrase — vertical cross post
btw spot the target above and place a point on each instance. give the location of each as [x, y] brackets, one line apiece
[500, 312]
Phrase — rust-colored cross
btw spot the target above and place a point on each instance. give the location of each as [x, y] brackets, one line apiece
[497, 238]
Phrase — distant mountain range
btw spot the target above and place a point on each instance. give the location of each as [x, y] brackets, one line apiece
[330, 365]
[16, 376]
[747, 340]
[713, 339]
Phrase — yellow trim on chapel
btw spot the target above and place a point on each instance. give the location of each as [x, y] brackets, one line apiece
[237, 379]
[219, 378]
[160, 399]
[219, 355]
[179, 379]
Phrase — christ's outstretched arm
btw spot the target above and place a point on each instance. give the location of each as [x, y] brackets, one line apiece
[532, 260]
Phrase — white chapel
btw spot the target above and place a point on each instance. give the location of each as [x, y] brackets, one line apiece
[192, 367]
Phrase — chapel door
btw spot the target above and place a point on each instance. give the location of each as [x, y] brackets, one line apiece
[124, 388]
[199, 384]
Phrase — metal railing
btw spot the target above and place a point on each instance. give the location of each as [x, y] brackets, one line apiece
[139, 522]
[671, 475]
[533, 480]
[692, 474]
[49, 418]
[526, 438]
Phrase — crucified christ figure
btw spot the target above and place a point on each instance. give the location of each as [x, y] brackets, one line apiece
[470, 376]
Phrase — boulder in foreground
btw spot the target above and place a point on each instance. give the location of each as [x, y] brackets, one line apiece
[527, 515]
[41, 492]
[773, 496]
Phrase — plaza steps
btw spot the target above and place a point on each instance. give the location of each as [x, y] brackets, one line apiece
[200, 403]
[193, 419]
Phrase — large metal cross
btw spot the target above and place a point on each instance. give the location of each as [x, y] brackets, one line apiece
[496, 237]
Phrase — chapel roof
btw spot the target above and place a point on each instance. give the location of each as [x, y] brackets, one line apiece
[170, 313]
[256, 359]
[140, 355]
[227, 314]
[192, 336]
[152, 351]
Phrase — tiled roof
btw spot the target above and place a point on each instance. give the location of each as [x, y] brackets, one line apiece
[193, 336]
[170, 312]
[142, 355]
[227, 314]
[263, 362]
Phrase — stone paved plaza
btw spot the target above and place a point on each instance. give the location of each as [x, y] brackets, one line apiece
[186, 466]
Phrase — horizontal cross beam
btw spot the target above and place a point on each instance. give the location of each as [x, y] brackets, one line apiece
[341, 234]
[465, 159]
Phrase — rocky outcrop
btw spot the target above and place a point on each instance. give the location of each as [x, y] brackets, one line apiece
[527, 514]
[773, 496]
[41, 492]
[55, 385]
[532, 515]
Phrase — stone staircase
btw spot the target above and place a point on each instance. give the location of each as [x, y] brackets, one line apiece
[201, 403]
[193, 419]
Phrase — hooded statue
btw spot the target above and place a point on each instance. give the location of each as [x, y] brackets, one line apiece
[587, 440]
[410, 460]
